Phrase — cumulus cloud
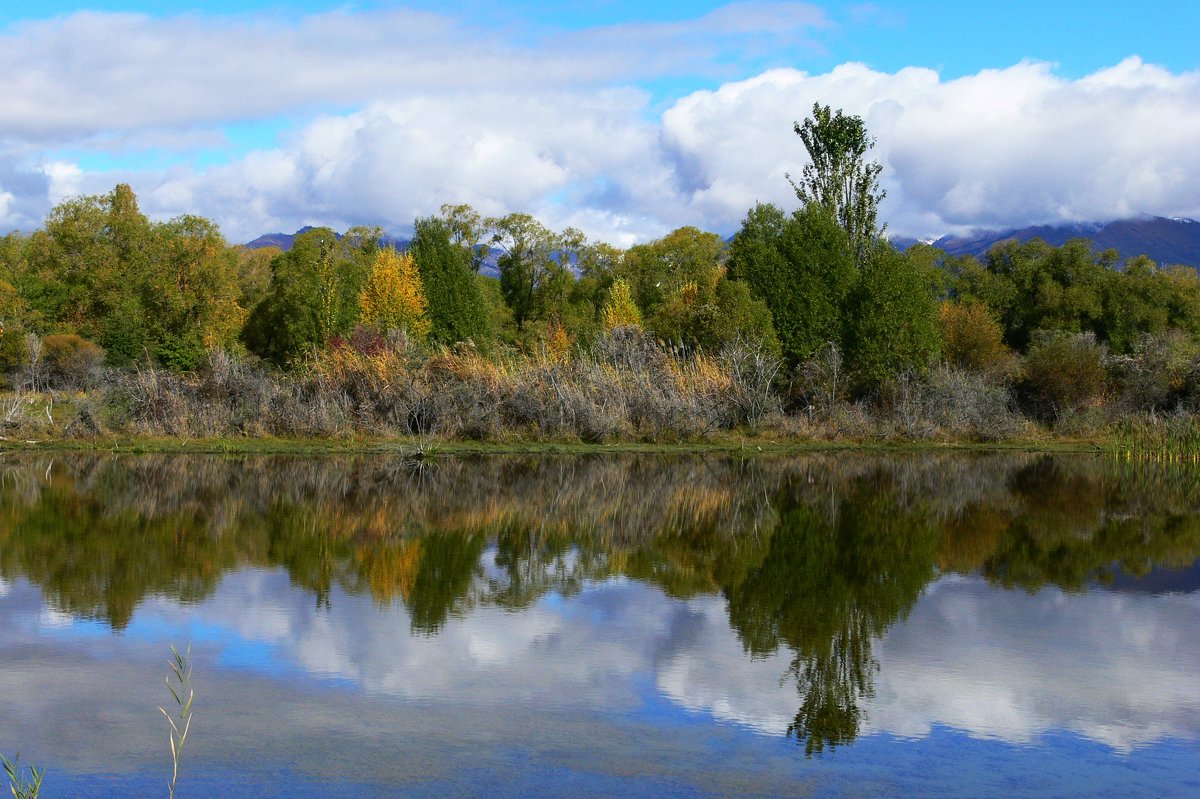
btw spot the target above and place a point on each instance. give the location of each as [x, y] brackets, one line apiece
[403, 110]
[1001, 148]
[89, 71]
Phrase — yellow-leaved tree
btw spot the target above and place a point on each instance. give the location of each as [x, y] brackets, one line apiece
[620, 310]
[393, 297]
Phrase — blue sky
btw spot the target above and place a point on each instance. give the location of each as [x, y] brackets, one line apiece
[625, 119]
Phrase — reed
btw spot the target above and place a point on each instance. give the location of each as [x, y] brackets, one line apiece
[179, 683]
[17, 784]
[1173, 438]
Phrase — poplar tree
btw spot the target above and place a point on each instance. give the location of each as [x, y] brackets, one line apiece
[839, 177]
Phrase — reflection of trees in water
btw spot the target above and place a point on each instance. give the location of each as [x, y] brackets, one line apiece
[816, 554]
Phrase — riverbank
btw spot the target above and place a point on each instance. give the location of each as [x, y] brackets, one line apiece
[422, 447]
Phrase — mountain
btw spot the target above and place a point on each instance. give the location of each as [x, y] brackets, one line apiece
[284, 240]
[1165, 241]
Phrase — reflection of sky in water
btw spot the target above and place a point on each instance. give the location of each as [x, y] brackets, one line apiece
[617, 690]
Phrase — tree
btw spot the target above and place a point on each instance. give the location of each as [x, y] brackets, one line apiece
[191, 291]
[312, 296]
[891, 318]
[530, 274]
[392, 297]
[972, 339]
[801, 267]
[838, 177]
[662, 268]
[620, 310]
[88, 271]
[467, 230]
[457, 311]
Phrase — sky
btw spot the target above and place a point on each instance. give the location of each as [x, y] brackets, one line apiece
[626, 120]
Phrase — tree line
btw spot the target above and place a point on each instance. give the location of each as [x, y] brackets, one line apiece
[817, 287]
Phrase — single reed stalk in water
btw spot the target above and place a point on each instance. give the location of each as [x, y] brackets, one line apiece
[179, 683]
[16, 783]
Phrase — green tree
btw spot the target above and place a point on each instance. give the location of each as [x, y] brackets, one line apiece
[891, 318]
[312, 296]
[88, 269]
[191, 291]
[838, 176]
[802, 268]
[457, 310]
[467, 230]
[532, 277]
[662, 268]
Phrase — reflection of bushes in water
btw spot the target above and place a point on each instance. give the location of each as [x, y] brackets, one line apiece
[1074, 526]
[100, 562]
[173, 525]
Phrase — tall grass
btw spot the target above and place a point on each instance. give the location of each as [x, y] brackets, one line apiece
[1170, 437]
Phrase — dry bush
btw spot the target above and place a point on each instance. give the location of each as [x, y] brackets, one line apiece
[1063, 374]
[71, 361]
[973, 340]
[949, 403]
[1159, 374]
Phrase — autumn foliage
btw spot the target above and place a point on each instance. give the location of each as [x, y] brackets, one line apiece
[392, 298]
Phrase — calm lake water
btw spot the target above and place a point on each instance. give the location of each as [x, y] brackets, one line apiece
[824, 625]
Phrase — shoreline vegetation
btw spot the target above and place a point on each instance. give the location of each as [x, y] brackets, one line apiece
[805, 329]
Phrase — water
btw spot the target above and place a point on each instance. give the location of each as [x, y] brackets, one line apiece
[825, 625]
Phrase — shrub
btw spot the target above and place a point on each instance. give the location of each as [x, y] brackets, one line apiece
[951, 402]
[1063, 373]
[71, 361]
[972, 339]
[1160, 372]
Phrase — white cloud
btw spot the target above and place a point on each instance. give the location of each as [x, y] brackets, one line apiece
[89, 72]
[1003, 147]
[1115, 668]
[406, 110]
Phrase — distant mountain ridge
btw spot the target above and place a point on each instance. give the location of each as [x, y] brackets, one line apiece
[284, 240]
[1162, 239]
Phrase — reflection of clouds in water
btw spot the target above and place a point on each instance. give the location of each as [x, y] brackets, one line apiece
[582, 650]
[54, 619]
[715, 675]
[1120, 669]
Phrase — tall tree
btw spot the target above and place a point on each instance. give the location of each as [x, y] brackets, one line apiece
[467, 230]
[312, 296]
[531, 272]
[838, 176]
[801, 267]
[456, 305]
